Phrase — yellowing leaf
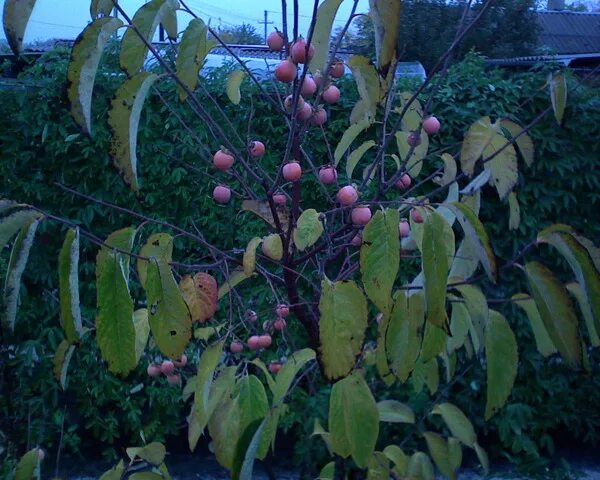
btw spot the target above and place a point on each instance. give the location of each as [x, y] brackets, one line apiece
[158, 246]
[101, 8]
[414, 113]
[414, 163]
[420, 466]
[201, 295]
[524, 142]
[356, 156]
[367, 83]
[288, 372]
[124, 120]
[503, 166]
[249, 262]
[353, 419]
[85, 58]
[272, 247]
[153, 453]
[142, 331]
[515, 211]
[13, 222]
[398, 458]
[457, 422]
[478, 137]
[236, 277]
[61, 360]
[558, 94]
[15, 18]
[450, 170]
[502, 362]
[542, 339]
[348, 137]
[234, 81]
[321, 37]
[438, 449]
[28, 466]
[342, 326]
[575, 289]
[263, 210]
[193, 48]
[385, 15]
[68, 265]
[309, 229]
[392, 411]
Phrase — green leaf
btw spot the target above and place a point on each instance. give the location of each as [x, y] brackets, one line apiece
[515, 211]
[85, 58]
[28, 466]
[483, 458]
[435, 268]
[14, 272]
[327, 472]
[460, 324]
[15, 18]
[153, 453]
[420, 466]
[475, 234]
[193, 49]
[170, 320]
[524, 142]
[450, 170]
[246, 467]
[438, 449]
[308, 230]
[454, 453]
[477, 306]
[288, 372]
[426, 373]
[146, 476]
[457, 422]
[236, 277]
[353, 419]
[414, 163]
[249, 262]
[12, 223]
[234, 81]
[403, 337]
[503, 166]
[272, 246]
[378, 467]
[542, 339]
[204, 381]
[124, 120]
[342, 326]
[324, 434]
[478, 137]
[146, 21]
[465, 262]
[502, 362]
[385, 15]
[575, 289]
[158, 246]
[398, 458]
[356, 156]
[414, 113]
[115, 330]
[142, 331]
[434, 341]
[367, 83]
[225, 429]
[581, 263]
[558, 94]
[557, 312]
[114, 473]
[380, 258]
[392, 411]
[101, 7]
[321, 36]
[348, 137]
[68, 266]
[61, 360]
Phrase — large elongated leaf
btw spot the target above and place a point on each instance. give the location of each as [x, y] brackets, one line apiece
[353, 419]
[243, 470]
[435, 268]
[478, 137]
[321, 36]
[420, 466]
[580, 261]
[356, 156]
[81, 74]
[234, 81]
[158, 246]
[115, 330]
[249, 262]
[27, 466]
[16, 267]
[524, 142]
[465, 262]
[308, 230]
[542, 339]
[13, 222]
[15, 19]
[515, 211]
[575, 289]
[438, 449]
[477, 306]
[68, 265]
[170, 320]
[450, 170]
[385, 15]
[142, 332]
[477, 237]
[502, 362]
[460, 324]
[342, 326]
[61, 360]
[124, 120]
[380, 257]
[191, 54]
[558, 94]
[367, 83]
[146, 21]
[503, 166]
[225, 429]
[457, 422]
[286, 375]
[556, 309]
[200, 293]
[348, 137]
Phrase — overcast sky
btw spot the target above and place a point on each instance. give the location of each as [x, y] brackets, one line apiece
[66, 18]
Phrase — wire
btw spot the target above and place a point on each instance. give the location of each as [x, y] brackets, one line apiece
[58, 24]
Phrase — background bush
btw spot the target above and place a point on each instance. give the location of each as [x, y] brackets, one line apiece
[41, 148]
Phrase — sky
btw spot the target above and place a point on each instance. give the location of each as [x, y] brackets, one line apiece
[66, 18]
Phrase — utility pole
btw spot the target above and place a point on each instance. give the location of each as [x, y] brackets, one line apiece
[266, 22]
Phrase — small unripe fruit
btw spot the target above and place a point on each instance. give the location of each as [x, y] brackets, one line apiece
[236, 347]
[265, 341]
[361, 215]
[298, 51]
[275, 41]
[279, 199]
[414, 140]
[337, 69]
[251, 316]
[305, 113]
[288, 103]
[347, 195]
[282, 310]
[182, 362]
[153, 370]
[309, 87]
[221, 194]
[279, 324]
[328, 175]
[167, 367]
[331, 94]
[274, 367]
[41, 454]
[223, 160]
[254, 342]
[404, 228]
[174, 379]
[431, 125]
[356, 240]
[319, 117]
[416, 216]
[256, 149]
[292, 171]
[286, 71]
[404, 181]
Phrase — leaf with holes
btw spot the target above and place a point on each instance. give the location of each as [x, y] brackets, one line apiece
[309, 229]
[68, 266]
[201, 294]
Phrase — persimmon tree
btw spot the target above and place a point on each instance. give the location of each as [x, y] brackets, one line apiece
[342, 271]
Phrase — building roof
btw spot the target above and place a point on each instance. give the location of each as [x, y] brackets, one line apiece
[565, 32]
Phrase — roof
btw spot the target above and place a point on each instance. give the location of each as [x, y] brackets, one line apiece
[566, 32]
[581, 60]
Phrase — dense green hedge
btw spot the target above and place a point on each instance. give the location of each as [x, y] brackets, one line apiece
[40, 146]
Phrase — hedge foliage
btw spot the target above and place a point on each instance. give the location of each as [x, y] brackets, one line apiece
[41, 150]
